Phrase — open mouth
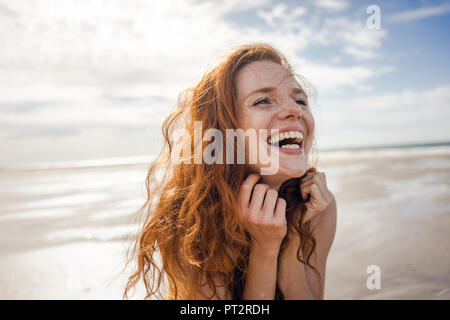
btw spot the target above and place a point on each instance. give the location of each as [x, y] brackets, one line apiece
[289, 140]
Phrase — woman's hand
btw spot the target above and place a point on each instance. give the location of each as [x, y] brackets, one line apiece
[264, 215]
[314, 191]
[317, 197]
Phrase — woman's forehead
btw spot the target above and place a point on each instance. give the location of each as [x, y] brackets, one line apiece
[263, 74]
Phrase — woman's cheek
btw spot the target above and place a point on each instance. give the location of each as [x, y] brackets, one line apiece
[309, 119]
[310, 122]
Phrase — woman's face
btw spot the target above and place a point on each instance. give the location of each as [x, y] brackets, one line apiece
[268, 97]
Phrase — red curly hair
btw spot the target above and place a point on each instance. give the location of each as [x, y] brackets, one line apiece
[190, 214]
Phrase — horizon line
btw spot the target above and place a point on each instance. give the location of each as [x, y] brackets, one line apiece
[120, 160]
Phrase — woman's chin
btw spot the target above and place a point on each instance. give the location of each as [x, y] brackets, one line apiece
[292, 172]
[284, 175]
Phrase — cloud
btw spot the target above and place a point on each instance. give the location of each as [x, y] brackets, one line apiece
[420, 13]
[354, 33]
[354, 37]
[334, 5]
[361, 53]
[113, 46]
[351, 36]
[78, 69]
[281, 12]
[386, 118]
[334, 79]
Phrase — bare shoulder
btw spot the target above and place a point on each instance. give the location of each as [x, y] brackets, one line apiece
[324, 230]
[325, 227]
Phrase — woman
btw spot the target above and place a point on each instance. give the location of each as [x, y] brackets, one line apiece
[224, 230]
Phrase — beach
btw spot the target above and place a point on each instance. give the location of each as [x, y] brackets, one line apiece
[65, 229]
[393, 212]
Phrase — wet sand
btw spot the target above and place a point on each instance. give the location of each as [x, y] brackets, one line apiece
[63, 232]
[393, 212]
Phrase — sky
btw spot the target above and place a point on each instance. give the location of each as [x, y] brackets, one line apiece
[90, 79]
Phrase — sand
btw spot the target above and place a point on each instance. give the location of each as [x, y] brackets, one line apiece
[393, 213]
[63, 232]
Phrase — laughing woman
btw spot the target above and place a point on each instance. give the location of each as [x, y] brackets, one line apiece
[223, 230]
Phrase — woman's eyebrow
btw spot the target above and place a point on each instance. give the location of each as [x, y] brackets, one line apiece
[298, 90]
[260, 90]
[270, 89]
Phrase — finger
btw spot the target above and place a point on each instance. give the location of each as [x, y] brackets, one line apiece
[325, 191]
[303, 192]
[321, 176]
[304, 189]
[320, 184]
[259, 192]
[246, 189]
[280, 209]
[270, 202]
[314, 192]
[324, 178]
[308, 175]
[307, 196]
[310, 212]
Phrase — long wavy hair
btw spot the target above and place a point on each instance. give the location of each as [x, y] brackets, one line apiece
[190, 213]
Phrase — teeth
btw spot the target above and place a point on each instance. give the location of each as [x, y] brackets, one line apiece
[285, 135]
[274, 139]
[290, 146]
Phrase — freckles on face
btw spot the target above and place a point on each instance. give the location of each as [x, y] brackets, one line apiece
[252, 110]
[255, 118]
[261, 109]
[269, 97]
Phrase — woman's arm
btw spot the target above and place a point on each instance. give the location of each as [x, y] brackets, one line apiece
[261, 275]
[260, 281]
[297, 281]
[291, 275]
[263, 215]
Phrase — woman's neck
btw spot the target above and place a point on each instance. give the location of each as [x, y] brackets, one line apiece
[272, 182]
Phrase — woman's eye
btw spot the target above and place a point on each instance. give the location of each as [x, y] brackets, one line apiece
[261, 101]
[301, 101]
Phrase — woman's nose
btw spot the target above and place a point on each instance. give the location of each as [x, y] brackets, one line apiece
[290, 109]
